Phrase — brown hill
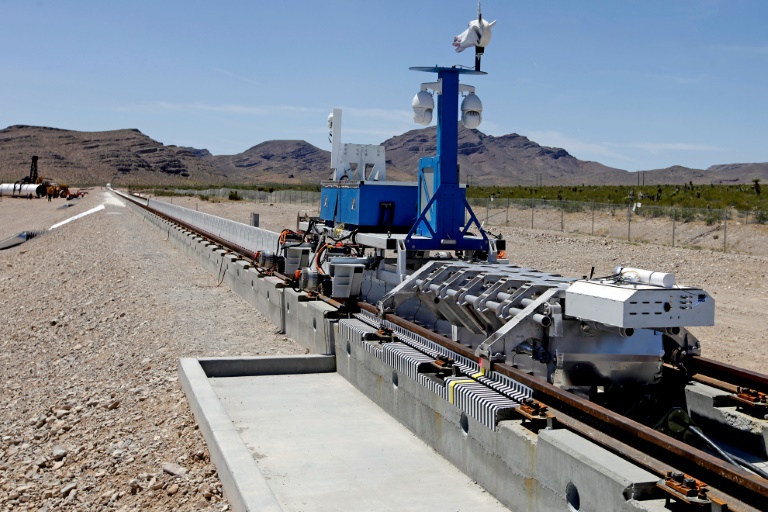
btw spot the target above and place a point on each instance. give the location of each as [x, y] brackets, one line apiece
[506, 160]
[130, 157]
[741, 172]
[121, 156]
[276, 161]
[726, 174]
[283, 161]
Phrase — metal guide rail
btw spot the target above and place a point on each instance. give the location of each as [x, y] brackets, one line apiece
[454, 371]
[457, 379]
[249, 238]
[741, 490]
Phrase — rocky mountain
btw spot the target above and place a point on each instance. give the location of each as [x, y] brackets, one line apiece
[741, 172]
[130, 157]
[275, 161]
[509, 159]
[124, 156]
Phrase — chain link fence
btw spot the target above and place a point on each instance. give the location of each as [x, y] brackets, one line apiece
[717, 229]
[699, 228]
[303, 197]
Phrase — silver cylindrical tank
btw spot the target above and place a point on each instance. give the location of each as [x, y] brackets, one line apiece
[11, 189]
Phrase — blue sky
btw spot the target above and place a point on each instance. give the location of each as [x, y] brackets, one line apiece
[632, 84]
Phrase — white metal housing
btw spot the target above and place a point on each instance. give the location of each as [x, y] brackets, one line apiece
[639, 305]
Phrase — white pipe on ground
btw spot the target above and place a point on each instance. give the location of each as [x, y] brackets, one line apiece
[11, 189]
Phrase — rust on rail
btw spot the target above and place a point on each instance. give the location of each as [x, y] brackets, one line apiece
[749, 487]
[728, 373]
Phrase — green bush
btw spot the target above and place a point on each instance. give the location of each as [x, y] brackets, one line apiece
[203, 197]
[687, 215]
[712, 217]
[653, 213]
[572, 206]
[234, 196]
[761, 217]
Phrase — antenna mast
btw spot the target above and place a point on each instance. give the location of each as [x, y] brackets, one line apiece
[479, 49]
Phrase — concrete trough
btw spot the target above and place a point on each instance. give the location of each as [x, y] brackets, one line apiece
[289, 434]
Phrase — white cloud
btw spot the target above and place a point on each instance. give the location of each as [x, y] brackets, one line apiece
[614, 150]
[238, 77]
[374, 125]
[656, 148]
[232, 109]
[584, 150]
[380, 114]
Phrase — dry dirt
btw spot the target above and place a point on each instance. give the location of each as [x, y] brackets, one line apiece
[96, 313]
[94, 316]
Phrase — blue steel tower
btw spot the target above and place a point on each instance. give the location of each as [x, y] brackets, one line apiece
[442, 202]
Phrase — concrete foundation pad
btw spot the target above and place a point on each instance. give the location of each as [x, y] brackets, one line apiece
[311, 441]
[706, 407]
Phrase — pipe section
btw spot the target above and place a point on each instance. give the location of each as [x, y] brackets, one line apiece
[624, 332]
[14, 190]
[639, 275]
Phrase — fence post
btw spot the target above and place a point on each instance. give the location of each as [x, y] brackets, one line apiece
[593, 218]
[629, 221]
[674, 218]
[487, 205]
[507, 221]
[562, 215]
[532, 203]
[725, 229]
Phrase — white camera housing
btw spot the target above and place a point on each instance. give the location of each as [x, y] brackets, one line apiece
[423, 104]
[471, 111]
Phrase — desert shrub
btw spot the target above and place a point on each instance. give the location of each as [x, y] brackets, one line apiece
[761, 217]
[712, 217]
[234, 196]
[573, 206]
[653, 213]
[203, 197]
[687, 215]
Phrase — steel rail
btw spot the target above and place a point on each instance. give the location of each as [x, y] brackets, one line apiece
[640, 458]
[697, 365]
[750, 488]
[730, 479]
[242, 252]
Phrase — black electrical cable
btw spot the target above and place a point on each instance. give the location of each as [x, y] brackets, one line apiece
[736, 461]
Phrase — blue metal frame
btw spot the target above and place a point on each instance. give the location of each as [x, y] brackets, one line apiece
[442, 202]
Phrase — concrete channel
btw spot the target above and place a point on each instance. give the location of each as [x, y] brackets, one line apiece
[301, 433]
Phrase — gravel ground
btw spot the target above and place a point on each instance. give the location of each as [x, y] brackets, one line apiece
[96, 312]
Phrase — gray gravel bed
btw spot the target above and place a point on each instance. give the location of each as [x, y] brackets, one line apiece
[94, 316]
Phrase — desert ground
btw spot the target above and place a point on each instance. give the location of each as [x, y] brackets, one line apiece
[96, 313]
